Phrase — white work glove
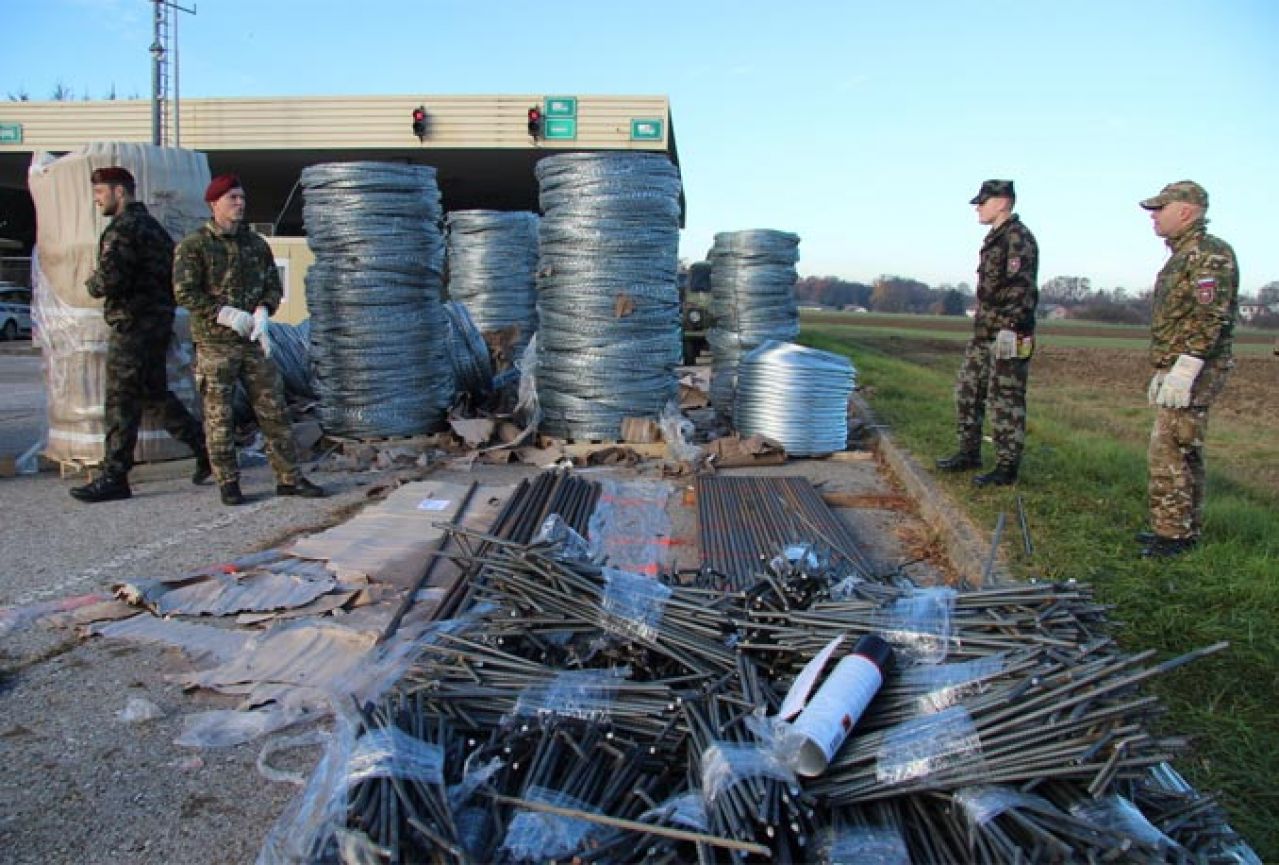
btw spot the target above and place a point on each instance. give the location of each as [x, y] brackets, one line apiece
[1005, 345]
[236, 319]
[261, 329]
[1175, 391]
[1156, 382]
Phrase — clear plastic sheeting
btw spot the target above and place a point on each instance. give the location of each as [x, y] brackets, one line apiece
[866, 845]
[796, 395]
[1117, 814]
[984, 802]
[687, 810]
[727, 763]
[586, 694]
[752, 301]
[941, 686]
[537, 836]
[389, 752]
[918, 749]
[568, 544]
[492, 270]
[632, 604]
[608, 304]
[629, 527]
[378, 329]
[467, 351]
[920, 626]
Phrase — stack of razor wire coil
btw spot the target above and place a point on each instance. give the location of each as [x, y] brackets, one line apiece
[752, 301]
[492, 269]
[608, 304]
[796, 395]
[472, 368]
[378, 330]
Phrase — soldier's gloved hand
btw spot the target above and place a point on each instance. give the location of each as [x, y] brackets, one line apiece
[1156, 382]
[1175, 391]
[236, 319]
[262, 329]
[1005, 345]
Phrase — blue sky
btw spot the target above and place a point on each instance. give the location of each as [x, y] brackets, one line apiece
[863, 127]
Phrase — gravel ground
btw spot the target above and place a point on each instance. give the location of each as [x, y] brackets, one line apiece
[78, 784]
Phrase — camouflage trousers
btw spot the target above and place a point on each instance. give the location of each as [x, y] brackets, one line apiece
[135, 383]
[1175, 459]
[218, 367]
[999, 384]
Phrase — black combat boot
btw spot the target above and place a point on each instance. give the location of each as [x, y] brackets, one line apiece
[960, 461]
[203, 468]
[301, 487]
[1003, 475]
[230, 493]
[1165, 548]
[106, 488]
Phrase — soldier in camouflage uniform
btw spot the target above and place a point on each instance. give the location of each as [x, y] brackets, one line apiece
[997, 358]
[1192, 332]
[135, 266]
[220, 272]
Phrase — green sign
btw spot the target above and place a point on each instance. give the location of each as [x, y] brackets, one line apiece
[10, 133]
[560, 129]
[561, 106]
[646, 130]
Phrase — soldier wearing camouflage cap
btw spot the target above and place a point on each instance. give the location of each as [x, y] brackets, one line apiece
[1192, 334]
[220, 272]
[997, 359]
[133, 278]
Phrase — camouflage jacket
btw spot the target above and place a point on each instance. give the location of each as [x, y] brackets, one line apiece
[212, 269]
[1006, 281]
[1196, 299]
[135, 266]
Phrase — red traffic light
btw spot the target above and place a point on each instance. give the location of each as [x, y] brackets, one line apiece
[419, 114]
[419, 122]
[534, 122]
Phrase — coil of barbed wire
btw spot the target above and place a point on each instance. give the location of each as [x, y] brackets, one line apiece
[492, 258]
[472, 369]
[752, 301]
[796, 395]
[378, 328]
[608, 305]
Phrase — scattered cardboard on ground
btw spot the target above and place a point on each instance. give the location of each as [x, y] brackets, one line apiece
[734, 451]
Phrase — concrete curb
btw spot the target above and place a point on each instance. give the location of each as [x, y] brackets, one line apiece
[967, 546]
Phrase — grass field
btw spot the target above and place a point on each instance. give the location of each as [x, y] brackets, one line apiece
[1084, 491]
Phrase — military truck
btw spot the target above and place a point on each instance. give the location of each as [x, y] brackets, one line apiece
[695, 309]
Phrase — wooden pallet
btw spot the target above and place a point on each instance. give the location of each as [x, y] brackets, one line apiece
[417, 442]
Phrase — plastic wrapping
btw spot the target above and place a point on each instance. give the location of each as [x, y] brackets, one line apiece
[608, 305]
[586, 694]
[984, 802]
[389, 752]
[943, 685]
[866, 845]
[795, 395]
[922, 747]
[536, 836]
[687, 810]
[1118, 814]
[677, 432]
[633, 604]
[567, 543]
[726, 763]
[630, 528]
[919, 625]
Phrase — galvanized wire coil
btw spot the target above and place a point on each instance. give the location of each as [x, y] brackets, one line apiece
[472, 369]
[796, 395]
[492, 258]
[378, 328]
[608, 305]
[752, 301]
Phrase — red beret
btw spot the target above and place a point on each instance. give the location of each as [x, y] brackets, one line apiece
[112, 175]
[220, 186]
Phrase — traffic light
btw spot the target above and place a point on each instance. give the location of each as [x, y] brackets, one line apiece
[419, 123]
[534, 122]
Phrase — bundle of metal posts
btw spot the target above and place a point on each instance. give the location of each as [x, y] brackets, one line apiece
[742, 521]
[569, 712]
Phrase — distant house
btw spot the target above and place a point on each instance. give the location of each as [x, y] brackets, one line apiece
[1054, 312]
[852, 307]
[1249, 311]
[970, 311]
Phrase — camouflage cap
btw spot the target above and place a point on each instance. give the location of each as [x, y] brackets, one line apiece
[1183, 190]
[994, 189]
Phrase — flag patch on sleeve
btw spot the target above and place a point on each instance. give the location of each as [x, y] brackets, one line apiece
[1206, 289]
